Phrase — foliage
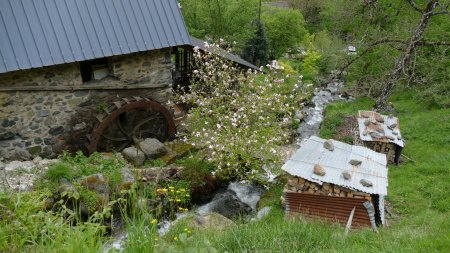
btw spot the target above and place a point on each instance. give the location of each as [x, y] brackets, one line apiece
[31, 229]
[230, 19]
[256, 50]
[331, 50]
[196, 169]
[365, 23]
[76, 166]
[156, 163]
[142, 235]
[58, 171]
[238, 118]
[284, 29]
[91, 199]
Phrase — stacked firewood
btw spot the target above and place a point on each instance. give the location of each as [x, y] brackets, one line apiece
[298, 184]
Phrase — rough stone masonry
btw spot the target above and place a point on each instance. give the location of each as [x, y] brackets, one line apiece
[44, 110]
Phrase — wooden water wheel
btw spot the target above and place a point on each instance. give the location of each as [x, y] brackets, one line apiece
[129, 121]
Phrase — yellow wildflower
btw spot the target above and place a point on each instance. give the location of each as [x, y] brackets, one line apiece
[154, 221]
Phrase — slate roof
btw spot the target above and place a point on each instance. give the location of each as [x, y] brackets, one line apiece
[221, 52]
[37, 33]
[376, 127]
[372, 168]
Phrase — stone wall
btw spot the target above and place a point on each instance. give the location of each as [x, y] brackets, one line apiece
[51, 104]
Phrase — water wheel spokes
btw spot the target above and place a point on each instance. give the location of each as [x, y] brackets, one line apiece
[137, 119]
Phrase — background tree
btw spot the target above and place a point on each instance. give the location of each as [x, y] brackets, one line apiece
[256, 50]
[285, 29]
[399, 43]
[404, 63]
[230, 20]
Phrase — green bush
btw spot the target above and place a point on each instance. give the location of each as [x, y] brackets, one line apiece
[196, 169]
[284, 29]
[60, 170]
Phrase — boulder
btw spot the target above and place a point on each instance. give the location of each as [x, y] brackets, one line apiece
[328, 145]
[366, 183]
[22, 154]
[95, 182]
[212, 221]
[376, 135]
[319, 170]
[392, 126]
[66, 186]
[127, 178]
[98, 184]
[152, 148]
[226, 204]
[347, 175]
[134, 156]
[355, 162]
[156, 173]
[263, 212]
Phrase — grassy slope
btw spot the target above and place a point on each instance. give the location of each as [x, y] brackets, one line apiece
[418, 193]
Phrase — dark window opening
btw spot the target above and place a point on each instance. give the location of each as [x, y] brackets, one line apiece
[94, 69]
[183, 60]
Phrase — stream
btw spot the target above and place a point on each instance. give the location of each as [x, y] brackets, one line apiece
[313, 115]
[242, 199]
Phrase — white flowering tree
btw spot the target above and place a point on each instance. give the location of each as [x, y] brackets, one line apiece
[240, 117]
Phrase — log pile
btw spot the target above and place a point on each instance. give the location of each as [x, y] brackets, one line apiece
[298, 184]
[381, 147]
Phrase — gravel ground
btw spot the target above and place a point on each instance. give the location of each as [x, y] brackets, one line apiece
[20, 175]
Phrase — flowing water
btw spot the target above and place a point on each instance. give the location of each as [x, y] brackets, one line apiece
[313, 115]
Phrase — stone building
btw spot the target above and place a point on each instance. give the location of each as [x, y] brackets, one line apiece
[67, 66]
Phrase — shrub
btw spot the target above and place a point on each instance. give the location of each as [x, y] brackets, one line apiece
[58, 171]
[238, 117]
[284, 29]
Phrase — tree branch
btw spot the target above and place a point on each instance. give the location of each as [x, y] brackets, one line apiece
[433, 43]
[444, 9]
[367, 50]
[415, 6]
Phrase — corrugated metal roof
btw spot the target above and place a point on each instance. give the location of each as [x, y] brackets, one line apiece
[221, 52]
[369, 121]
[372, 168]
[37, 33]
[329, 207]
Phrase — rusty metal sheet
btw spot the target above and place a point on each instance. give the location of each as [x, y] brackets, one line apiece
[327, 207]
[372, 168]
[379, 123]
